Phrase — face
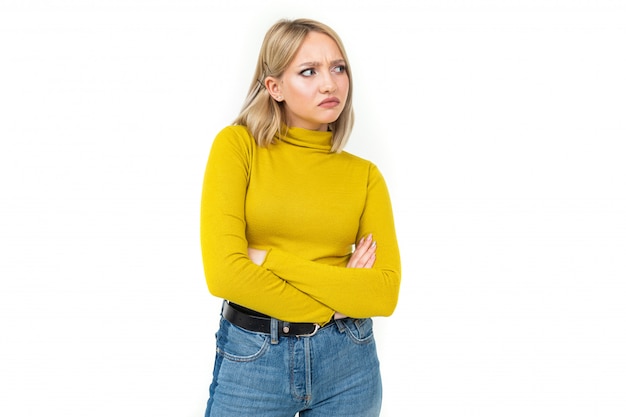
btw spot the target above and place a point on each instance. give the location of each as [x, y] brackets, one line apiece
[315, 85]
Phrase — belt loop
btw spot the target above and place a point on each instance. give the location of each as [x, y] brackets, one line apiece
[274, 331]
[341, 326]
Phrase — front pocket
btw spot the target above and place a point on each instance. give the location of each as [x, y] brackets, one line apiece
[240, 345]
[360, 331]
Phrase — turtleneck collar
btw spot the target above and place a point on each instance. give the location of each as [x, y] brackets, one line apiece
[307, 138]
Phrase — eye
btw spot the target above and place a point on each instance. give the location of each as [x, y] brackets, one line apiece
[308, 72]
[339, 68]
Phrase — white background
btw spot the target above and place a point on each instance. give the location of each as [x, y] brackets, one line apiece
[499, 126]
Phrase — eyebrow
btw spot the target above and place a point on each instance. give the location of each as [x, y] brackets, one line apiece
[317, 64]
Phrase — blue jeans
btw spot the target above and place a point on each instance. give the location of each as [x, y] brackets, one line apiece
[332, 373]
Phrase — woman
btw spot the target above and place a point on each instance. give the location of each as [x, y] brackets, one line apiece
[288, 224]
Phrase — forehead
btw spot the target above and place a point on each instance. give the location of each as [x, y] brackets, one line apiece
[317, 47]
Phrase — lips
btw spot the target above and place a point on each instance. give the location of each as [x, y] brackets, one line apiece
[329, 102]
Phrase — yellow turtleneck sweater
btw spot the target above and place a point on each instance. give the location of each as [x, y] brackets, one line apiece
[307, 207]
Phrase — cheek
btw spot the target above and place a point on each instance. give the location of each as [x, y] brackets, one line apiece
[345, 84]
[300, 90]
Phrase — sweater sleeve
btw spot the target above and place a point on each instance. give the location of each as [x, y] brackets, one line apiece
[356, 292]
[229, 272]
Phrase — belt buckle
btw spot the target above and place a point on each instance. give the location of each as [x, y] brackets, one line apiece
[317, 327]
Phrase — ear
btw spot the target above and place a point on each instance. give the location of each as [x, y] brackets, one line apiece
[272, 85]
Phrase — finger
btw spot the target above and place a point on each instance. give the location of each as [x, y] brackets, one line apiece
[356, 260]
[362, 252]
[361, 257]
[359, 253]
[368, 250]
[367, 261]
[370, 262]
[364, 243]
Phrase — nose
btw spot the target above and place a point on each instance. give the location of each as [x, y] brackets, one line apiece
[328, 84]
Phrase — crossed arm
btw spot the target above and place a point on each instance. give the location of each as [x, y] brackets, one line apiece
[364, 256]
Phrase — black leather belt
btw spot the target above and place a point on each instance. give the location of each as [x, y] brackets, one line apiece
[261, 323]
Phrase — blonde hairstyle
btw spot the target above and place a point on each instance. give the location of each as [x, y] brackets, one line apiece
[264, 116]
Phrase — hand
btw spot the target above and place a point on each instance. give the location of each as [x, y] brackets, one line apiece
[364, 254]
[257, 256]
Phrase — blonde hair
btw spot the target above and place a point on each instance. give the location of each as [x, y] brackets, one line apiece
[264, 116]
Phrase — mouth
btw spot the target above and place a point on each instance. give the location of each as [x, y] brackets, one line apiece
[330, 102]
